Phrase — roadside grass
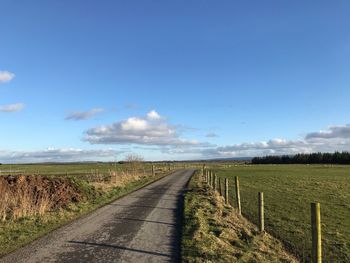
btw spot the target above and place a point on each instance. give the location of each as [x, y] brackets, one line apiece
[213, 232]
[17, 233]
[288, 192]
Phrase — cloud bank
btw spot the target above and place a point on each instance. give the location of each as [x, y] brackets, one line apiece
[6, 76]
[333, 132]
[154, 131]
[334, 138]
[58, 155]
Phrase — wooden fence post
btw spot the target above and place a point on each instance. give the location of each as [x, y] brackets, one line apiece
[215, 182]
[316, 233]
[238, 196]
[220, 186]
[226, 191]
[153, 170]
[208, 178]
[261, 212]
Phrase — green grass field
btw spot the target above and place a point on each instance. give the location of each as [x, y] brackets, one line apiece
[84, 170]
[75, 169]
[288, 191]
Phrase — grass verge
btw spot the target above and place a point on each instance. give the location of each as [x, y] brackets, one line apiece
[17, 233]
[213, 232]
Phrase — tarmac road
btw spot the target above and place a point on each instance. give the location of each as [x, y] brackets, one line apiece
[144, 226]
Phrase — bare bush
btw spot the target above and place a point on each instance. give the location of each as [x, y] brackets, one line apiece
[134, 163]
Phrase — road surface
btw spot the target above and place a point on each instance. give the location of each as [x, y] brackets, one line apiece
[144, 226]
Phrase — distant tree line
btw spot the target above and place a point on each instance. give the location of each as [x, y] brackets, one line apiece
[305, 158]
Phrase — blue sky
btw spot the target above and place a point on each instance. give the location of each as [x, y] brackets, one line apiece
[88, 80]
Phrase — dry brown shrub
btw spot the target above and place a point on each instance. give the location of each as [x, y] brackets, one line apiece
[24, 196]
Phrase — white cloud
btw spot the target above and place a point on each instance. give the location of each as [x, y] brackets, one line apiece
[335, 138]
[152, 129]
[153, 115]
[58, 155]
[274, 146]
[134, 124]
[12, 107]
[83, 115]
[333, 132]
[6, 76]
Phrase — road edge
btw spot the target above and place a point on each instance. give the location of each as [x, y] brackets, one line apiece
[182, 215]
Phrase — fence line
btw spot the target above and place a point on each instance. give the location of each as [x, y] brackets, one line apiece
[316, 249]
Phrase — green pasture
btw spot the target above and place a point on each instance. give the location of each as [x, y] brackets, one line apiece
[76, 169]
[288, 191]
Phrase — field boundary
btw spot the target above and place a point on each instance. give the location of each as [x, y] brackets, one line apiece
[214, 232]
[211, 179]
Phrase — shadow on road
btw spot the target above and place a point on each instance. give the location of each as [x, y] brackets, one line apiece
[144, 206]
[119, 247]
[155, 198]
[146, 221]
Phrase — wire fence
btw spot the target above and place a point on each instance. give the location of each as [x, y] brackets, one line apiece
[300, 235]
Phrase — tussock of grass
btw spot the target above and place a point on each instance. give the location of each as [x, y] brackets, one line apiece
[213, 232]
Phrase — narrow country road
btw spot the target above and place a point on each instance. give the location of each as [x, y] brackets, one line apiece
[144, 226]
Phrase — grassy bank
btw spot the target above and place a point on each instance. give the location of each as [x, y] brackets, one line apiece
[289, 190]
[16, 233]
[213, 232]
